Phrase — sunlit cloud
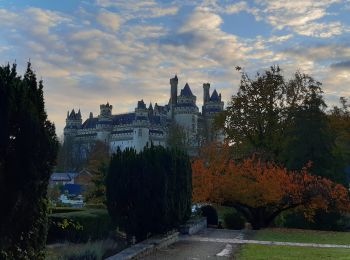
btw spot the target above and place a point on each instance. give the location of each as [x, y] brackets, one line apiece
[123, 51]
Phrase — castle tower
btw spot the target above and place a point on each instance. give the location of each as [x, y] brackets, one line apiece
[173, 94]
[150, 109]
[73, 123]
[186, 113]
[104, 123]
[210, 109]
[141, 126]
[105, 111]
[173, 90]
[206, 88]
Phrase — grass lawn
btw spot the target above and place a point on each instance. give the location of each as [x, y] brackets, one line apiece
[303, 236]
[291, 252]
[260, 252]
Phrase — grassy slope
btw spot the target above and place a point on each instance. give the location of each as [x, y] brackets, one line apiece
[260, 252]
[303, 236]
[295, 235]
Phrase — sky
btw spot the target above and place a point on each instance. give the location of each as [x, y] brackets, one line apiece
[120, 51]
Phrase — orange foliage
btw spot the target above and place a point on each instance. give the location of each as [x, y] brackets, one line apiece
[253, 184]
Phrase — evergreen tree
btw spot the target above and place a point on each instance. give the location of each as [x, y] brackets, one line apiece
[28, 148]
[149, 192]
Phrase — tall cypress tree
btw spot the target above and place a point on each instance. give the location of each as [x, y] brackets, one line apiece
[28, 148]
[149, 192]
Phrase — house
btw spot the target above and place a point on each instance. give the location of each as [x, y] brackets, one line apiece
[83, 178]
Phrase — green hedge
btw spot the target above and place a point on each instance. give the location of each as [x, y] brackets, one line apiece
[96, 206]
[79, 226]
[65, 210]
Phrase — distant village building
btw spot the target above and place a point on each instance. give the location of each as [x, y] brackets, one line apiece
[145, 126]
[62, 178]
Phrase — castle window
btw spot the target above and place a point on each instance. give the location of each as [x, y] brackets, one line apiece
[140, 132]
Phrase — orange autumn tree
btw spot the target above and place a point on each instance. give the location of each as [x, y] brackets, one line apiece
[261, 190]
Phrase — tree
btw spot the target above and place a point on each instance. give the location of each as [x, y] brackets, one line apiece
[284, 121]
[309, 136]
[262, 190]
[72, 155]
[98, 165]
[254, 116]
[28, 148]
[177, 137]
[339, 121]
[149, 192]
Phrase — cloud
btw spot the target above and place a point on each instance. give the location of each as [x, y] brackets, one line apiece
[116, 51]
[133, 9]
[341, 65]
[202, 21]
[43, 20]
[302, 17]
[321, 52]
[109, 20]
[236, 8]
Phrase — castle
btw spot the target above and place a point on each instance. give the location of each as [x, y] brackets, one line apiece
[149, 125]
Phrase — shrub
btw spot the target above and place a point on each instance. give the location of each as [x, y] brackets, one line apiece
[234, 220]
[79, 226]
[210, 213]
[64, 210]
[328, 221]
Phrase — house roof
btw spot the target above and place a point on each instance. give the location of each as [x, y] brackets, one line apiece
[84, 171]
[121, 119]
[61, 176]
[90, 123]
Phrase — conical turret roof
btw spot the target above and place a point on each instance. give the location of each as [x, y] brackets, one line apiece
[186, 91]
[214, 96]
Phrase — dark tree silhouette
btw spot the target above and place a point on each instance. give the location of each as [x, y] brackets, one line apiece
[28, 149]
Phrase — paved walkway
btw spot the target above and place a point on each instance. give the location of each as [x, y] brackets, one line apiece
[218, 244]
[195, 248]
[258, 242]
